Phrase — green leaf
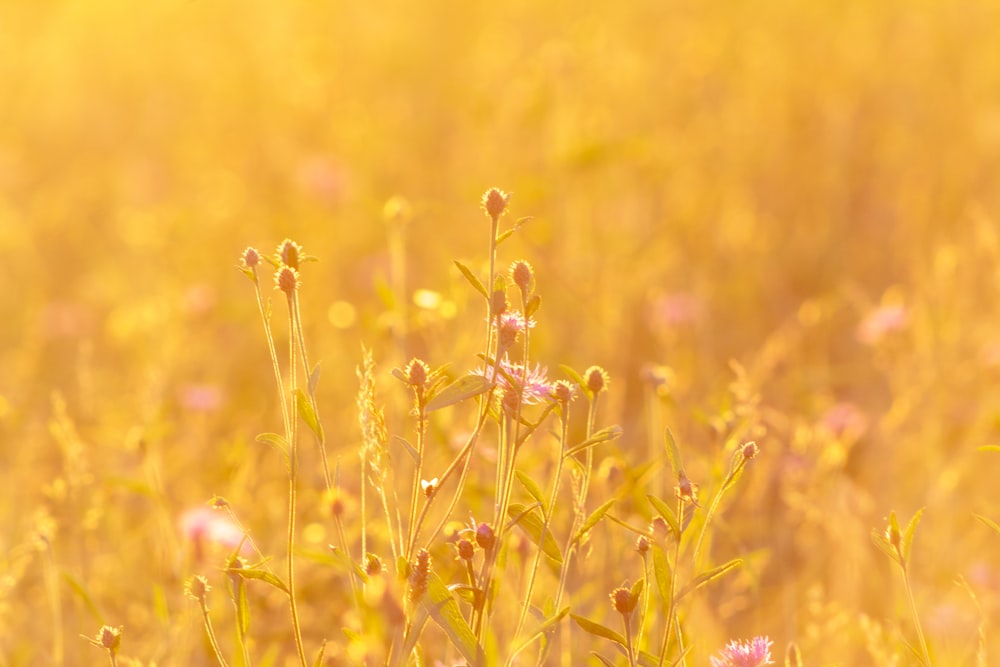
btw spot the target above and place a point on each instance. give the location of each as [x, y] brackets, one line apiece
[665, 511]
[604, 661]
[242, 607]
[409, 448]
[604, 435]
[637, 587]
[461, 389]
[442, 607]
[674, 454]
[706, 577]
[880, 541]
[257, 573]
[504, 235]
[990, 523]
[911, 527]
[307, 411]
[532, 525]
[473, 280]
[598, 630]
[539, 630]
[661, 571]
[594, 517]
[84, 596]
[574, 376]
[531, 486]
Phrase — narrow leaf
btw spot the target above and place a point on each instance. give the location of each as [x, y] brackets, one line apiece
[531, 486]
[707, 577]
[504, 235]
[318, 662]
[461, 389]
[473, 280]
[674, 454]
[665, 511]
[661, 571]
[878, 539]
[242, 607]
[84, 596]
[532, 525]
[911, 528]
[604, 661]
[409, 449]
[594, 517]
[988, 522]
[256, 573]
[275, 440]
[598, 630]
[314, 379]
[532, 306]
[307, 411]
[540, 630]
[443, 608]
[574, 376]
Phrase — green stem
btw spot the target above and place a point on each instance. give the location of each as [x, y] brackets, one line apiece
[916, 616]
[292, 489]
[211, 635]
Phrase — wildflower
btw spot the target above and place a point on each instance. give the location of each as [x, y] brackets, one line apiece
[509, 325]
[642, 545]
[466, 549]
[881, 322]
[201, 397]
[659, 528]
[498, 303]
[204, 527]
[429, 486]
[289, 253]
[373, 565]
[523, 275]
[287, 280]
[485, 536]
[563, 391]
[597, 379]
[251, 257]
[494, 202]
[108, 638]
[623, 600]
[686, 490]
[751, 653]
[530, 384]
[197, 588]
[750, 450]
[416, 373]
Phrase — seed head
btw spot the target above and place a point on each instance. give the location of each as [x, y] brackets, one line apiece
[597, 379]
[750, 450]
[563, 391]
[659, 528]
[290, 252]
[642, 545]
[373, 565]
[418, 577]
[287, 280]
[495, 202]
[523, 275]
[485, 536]
[197, 588]
[108, 638]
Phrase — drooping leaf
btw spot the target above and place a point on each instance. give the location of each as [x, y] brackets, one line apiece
[442, 607]
[530, 522]
[473, 280]
[307, 411]
[594, 517]
[258, 573]
[409, 448]
[604, 435]
[674, 454]
[598, 630]
[461, 389]
[276, 441]
[707, 577]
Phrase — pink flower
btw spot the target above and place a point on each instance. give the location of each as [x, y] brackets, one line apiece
[881, 322]
[201, 397]
[845, 418]
[532, 383]
[751, 653]
[203, 527]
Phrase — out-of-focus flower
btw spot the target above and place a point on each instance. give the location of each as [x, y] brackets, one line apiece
[531, 382]
[200, 397]
[844, 418]
[676, 309]
[881, 322]
[204, 527]
[751, 653]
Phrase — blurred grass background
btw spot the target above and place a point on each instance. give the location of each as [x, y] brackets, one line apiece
[710, 182]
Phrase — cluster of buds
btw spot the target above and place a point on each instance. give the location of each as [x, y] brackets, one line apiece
[418, 576]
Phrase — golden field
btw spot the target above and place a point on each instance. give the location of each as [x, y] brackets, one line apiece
[775, 222]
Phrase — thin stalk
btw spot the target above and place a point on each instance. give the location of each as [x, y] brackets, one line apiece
[211, 635]
[292, 491]
[272, 351]
[916, 617]
[671, 607]
[739, 462]
[418, 471]
[629, 644]
[320, 438]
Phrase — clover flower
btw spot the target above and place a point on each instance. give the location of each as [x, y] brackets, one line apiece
[751, 653]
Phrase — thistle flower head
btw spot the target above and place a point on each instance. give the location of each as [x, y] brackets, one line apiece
[109, 638]
[494, 202]
[416, 373]
[530, 384]
[509, 325]
[373, 565]
[597, 379]
[523, 275]
[750, 653]
[251, 257]
[197, 588]
[289, 253]
[750, 450]
[485, 537]
[642, 545]
[466, 549]
[287, 280]
[563, 391]
[686, 490]
[623, 600]
[418, 576]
